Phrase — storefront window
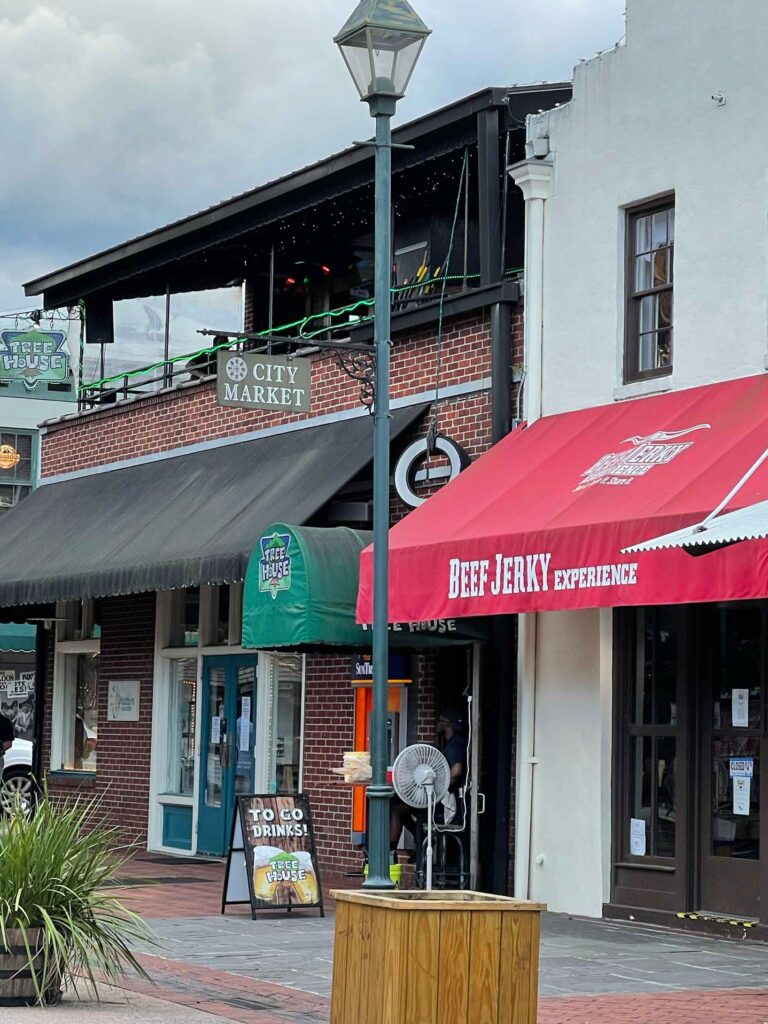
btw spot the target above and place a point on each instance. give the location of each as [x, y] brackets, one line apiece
[80, 620]
[653, 735]
[285, 731]
[185, 618]
[181, 761]
[736, 723]
[81, 716]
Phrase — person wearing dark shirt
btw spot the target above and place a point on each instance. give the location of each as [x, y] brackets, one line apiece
[451, 728]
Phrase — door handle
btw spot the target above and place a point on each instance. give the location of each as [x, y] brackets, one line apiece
[480, 809]
[226, 750]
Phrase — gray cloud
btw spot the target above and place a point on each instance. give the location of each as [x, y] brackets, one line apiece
[120, 115]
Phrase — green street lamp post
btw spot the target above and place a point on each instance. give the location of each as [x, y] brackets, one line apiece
[381, 43]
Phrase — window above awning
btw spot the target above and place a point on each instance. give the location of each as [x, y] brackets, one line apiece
[176, 522]
[543, 521]
[301, 589]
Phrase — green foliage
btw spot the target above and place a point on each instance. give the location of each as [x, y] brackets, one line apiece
[55, 870]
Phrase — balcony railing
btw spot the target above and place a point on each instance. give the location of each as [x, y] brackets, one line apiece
[194, 366]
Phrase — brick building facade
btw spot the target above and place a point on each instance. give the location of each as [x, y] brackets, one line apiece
[185, 416]
[157, 478]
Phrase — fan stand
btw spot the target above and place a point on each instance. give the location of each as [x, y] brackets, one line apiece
[430, 787]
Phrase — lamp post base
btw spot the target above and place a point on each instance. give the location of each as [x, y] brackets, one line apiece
[378, 826]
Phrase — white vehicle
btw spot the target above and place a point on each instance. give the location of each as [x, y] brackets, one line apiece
[17, 775]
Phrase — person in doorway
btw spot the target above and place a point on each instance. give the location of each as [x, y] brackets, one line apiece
[6, 738]
[450, 727]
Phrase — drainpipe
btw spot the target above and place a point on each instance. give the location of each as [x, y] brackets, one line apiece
[536, 180]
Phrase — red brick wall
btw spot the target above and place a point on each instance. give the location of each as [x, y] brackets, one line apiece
[123, 749]
[175, 418]
[328, 733]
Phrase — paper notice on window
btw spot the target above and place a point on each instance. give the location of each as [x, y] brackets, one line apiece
[244, 741]
[246, 708]
[740, 708]
[216, 729]
[741, 787]
[637, 837]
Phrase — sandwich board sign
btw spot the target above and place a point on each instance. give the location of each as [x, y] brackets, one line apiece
[272, 860]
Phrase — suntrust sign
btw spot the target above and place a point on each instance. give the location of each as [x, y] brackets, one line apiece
[250, 381]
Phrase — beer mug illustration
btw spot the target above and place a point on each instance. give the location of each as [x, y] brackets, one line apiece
[265, 876]
[306, 887]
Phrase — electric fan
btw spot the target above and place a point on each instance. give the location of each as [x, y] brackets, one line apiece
[421, 777]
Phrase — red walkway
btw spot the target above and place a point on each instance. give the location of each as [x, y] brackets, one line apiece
[194, 890]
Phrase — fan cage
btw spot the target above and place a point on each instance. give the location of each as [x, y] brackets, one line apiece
[407, 762]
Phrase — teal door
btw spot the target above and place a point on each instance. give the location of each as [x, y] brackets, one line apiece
[226, 747]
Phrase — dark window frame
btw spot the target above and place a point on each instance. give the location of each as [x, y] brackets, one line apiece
[629, 729]
[633, 297]
[21, 483]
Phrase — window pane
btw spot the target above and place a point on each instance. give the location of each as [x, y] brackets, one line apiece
[739, 667]
[286, 725]
[216, 728]
[664, 348]
[185, 627]
[643, 275]
[665, 309]
[246, 731]
[642, 234]
[647, 352]
[640, 803]
[660, 267]
[665, 703]
[735, 819]
[666, 796]
[659, 229]
[671, 223]
[86, 725]
[648, 314]
[181, 766]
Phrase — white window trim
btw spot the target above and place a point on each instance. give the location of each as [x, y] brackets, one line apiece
[61, 705]
[158, 772]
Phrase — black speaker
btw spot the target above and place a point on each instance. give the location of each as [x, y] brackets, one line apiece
[99, 321]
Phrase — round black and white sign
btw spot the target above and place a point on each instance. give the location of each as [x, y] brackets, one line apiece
[408, 474]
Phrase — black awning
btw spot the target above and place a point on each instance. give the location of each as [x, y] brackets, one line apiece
[175, 522]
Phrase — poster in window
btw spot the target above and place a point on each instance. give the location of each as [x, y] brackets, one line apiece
[280, 859]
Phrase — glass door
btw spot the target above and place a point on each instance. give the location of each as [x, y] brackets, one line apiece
[226, 745]
[730, 763]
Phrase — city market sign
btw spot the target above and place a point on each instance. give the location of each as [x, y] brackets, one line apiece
[250, 381]
[32, 356]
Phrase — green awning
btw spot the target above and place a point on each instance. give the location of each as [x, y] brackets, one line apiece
[301, 592]
[17, 638]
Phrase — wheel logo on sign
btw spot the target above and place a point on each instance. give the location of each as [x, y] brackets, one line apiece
[237, 368]
[407, 473]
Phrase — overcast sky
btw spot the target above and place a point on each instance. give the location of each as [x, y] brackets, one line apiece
[117, 116]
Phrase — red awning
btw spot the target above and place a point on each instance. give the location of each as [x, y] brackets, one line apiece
[539, 522]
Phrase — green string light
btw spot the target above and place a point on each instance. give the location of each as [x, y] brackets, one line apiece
[300, 324]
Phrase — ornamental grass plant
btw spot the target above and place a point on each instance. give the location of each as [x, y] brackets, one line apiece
[56, 867]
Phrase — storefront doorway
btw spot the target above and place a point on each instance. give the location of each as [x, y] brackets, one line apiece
[733, 711]
[689, 828]
[226, 745]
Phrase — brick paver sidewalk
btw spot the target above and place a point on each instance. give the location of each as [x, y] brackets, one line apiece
[222, 966]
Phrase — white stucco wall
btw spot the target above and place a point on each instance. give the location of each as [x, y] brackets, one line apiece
[643, 122]
[571, 787]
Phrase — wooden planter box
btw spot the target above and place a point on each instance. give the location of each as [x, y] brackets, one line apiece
[414, 957]
[16, 985]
